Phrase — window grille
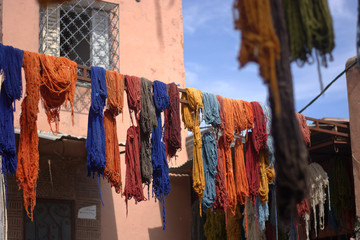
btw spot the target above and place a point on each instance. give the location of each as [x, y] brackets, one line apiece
[85, 31]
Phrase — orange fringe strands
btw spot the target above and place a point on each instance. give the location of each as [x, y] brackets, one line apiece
[191, 118]
[57, 85]
[55, 78]
[115, 83]
[227, 125]
[243, 119]
[28, 155]
[259, 42]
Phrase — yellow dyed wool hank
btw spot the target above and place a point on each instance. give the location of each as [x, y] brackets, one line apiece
[191, 117]
[259, 42]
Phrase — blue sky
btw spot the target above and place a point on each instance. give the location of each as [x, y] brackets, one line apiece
[211, 46]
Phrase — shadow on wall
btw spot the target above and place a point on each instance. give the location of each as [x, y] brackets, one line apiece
[178, 212]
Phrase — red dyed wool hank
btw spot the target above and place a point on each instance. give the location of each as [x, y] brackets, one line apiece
[115, 83]
[133, 184]
[28, 155]
[220, 188]
[259, 131]
[252, 168]
[172, 126]
[304, 128]
[57, 86]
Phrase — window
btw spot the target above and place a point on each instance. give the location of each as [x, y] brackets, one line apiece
[85, 31]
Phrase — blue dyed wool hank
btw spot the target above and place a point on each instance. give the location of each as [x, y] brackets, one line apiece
[95, 141]
[10, 64]
[161, 180]
[210, 158]
[211, 109]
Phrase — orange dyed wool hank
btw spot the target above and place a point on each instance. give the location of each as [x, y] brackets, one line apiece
[227, 121]
[115, 83]
[28, 155]
[57, 85]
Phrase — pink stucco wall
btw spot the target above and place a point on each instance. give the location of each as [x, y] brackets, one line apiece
[151, 46]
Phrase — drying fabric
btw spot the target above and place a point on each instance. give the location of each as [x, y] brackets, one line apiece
[304, 128]
[243, 115]
[11, 60]
[210, 158]
[228, 127]
[252, 168]
[147, 123]
[133, 184]
[304, 212]
[233, 227]
[172, 126]
[241, 182]
[95, 141]
[115, 84]
[318, 182]
[57, 86]
[259, 131]
[259, 42]
[161, 180]
[309, 26]
[262, 213]
[220, 185]
[191, 117]
[28, 155]
[211, 109]
[215, 228]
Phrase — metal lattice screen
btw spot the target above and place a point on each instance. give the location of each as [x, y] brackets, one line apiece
[85, 31]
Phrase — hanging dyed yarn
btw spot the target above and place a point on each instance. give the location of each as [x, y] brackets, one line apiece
[191, 117]
[251, 225]
[172, 126]
[11, 60]
[57, 85]
[161, 180]
[304, 128]
[227, 125]
[95, 141]
[267, 176]
[210, 158]
[115, 83]
[147, 123]
[304, 212]
[241, 182]
[233, 226]
[214, 227]
[259, 42]
[220, 185]
[3, 208]
[211, 109]
[243, 115]
[262, 213]
[259, 131]
[133, 185]
[309, 26]
[340, 185]
[252, 167]
[318, 182]
[270, 139]
[28, 155]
